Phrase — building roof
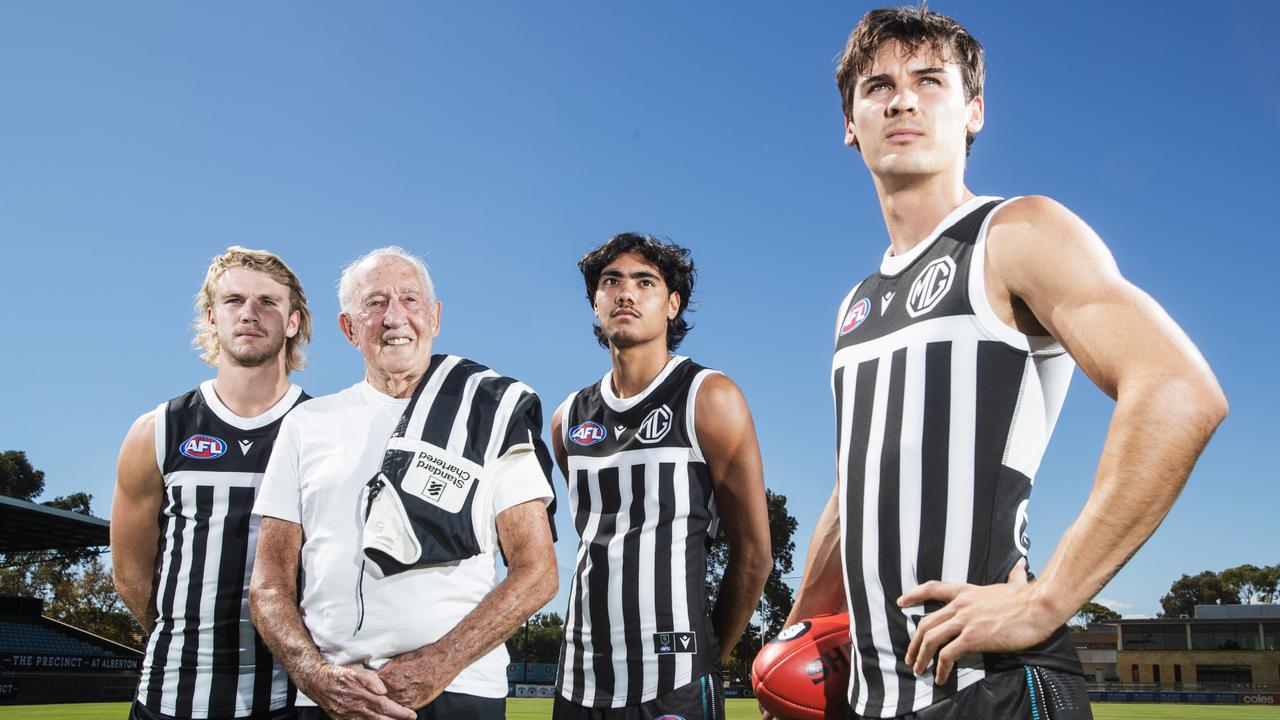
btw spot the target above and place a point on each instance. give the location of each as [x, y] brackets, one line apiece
[26, 526]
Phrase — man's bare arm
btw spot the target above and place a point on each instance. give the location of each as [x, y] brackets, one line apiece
[416, 678]
[1168, 404]
[727, 437]
[135, 526]
[821, 590]
[342, 691]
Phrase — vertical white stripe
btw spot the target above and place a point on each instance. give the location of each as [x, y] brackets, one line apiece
[647, 588]
[571, 652]
[162, 417]
[873, 587]
[208, 601]
[964, 410]
[419, 418]
[592, 527]
[149, 659]
[842, 479]
[248, 654]
[458, 433]
[679, 596]
[176, 642]
[911, 466]
[618, 628]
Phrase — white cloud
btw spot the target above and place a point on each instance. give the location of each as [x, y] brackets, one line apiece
[1138, 616]
[1116, 605]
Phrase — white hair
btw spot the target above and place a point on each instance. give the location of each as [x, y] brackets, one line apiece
[346, 282]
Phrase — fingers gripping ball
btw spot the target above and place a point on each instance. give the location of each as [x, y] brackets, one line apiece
[803, 674]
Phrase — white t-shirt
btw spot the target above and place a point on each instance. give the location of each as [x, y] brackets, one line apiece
[328, 448]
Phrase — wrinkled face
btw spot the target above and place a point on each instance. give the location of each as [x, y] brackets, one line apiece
[910, 116]
[632, 302]
[251, 316]
[391, 320]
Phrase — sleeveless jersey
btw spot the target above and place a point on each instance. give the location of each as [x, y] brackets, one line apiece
[943, 413]
[204, 659]
[641, 496]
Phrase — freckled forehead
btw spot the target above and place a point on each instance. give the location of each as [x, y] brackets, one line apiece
[385, 273]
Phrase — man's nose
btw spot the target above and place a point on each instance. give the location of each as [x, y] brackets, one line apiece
[249, 311]
[903, 101]
[395, 314]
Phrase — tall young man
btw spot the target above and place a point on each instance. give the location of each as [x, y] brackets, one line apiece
[951, 363]
[657, 454]
[182, 534]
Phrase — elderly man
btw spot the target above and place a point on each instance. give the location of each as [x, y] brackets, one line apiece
[395, 495]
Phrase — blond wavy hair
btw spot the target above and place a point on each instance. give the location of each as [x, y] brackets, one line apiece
[264, 262]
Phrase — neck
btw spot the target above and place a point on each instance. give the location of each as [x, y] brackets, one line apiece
[397, 385]
[635, 367]
[251, 391]
[913, 206]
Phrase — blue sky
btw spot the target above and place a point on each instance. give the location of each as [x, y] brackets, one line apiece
[503, 140]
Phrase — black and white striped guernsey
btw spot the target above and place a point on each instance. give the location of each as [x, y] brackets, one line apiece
[638, 626]
[943, 414]
[204, 659]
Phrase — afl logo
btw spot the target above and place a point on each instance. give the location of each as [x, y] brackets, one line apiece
[656, 425]
[588, 433]
[793, 631]
[857, 313]
[930, 286]
[202, 447]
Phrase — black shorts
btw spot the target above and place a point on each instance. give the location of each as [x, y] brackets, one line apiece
[1032, 693]
[138, 711]
[447, 706]
[701, 699]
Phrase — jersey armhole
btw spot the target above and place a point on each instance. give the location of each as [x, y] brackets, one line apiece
[563, 412]
[990, 324]
[844, 308]
[162, 442]
[691, 424]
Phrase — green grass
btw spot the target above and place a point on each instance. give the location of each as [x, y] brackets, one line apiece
[528, 709]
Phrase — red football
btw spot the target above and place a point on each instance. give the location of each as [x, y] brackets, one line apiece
[803, 674]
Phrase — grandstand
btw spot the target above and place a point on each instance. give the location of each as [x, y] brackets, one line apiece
[43, 660]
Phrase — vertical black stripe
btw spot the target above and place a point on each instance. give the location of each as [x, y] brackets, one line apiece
[631, 588]
[447, 403]
[601, 623]
[695, 566]
[177, 524]
[890, 512]
[999, 380]
[188, 669]
[580, 514]
[227, 620]
[662, 570]
[859, 438]
[935, 447]
[264, 667]
[837, 388]
[484, 407]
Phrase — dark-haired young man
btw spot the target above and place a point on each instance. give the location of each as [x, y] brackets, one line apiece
[951, 363]
[657, 454]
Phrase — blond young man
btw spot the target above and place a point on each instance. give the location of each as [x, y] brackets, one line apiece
[951, 363]
[182, 533]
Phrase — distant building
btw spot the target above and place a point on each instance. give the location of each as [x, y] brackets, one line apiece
[1096, 646]
[1232, 645]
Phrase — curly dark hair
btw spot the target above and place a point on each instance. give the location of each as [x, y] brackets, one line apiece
[670, 259]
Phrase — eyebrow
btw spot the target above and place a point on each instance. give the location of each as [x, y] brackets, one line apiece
[917, 73]
[637, 274]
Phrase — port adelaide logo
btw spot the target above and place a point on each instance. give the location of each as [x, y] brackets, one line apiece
[930, 286]
[588, 433]
[203, 447]
[656, 425]
[854, 317]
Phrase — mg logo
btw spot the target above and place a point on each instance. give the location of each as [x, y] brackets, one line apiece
[656, 425]
[930, 286]
[1021, 539]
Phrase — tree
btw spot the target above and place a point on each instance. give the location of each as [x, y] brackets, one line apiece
[1251, 583]
[1092, 613]
[18, 479]
[545, 634]
[777, 598]
[1188, 591]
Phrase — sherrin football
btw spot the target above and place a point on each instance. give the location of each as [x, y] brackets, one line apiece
[803, 674]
